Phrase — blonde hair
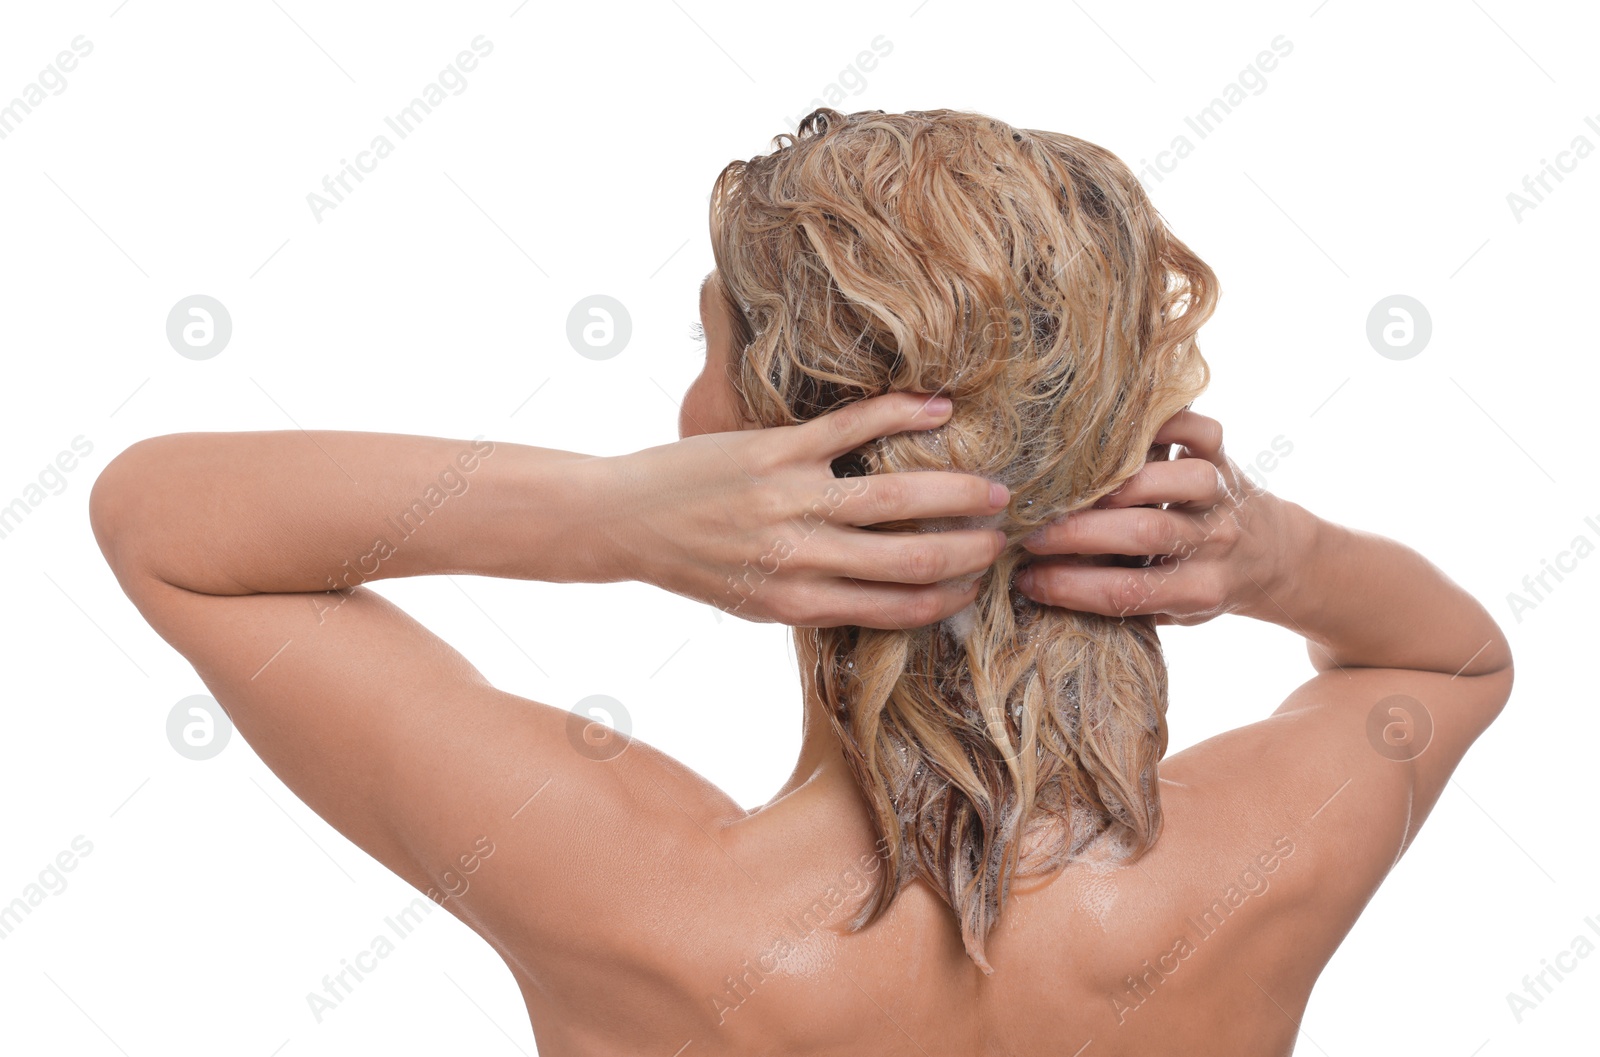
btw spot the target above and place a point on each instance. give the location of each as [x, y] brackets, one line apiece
[1026, 275]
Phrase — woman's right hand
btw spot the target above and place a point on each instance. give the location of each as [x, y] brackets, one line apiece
[1214, 538]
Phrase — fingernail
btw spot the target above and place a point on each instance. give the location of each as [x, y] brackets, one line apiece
[998, 494]
[937, 405]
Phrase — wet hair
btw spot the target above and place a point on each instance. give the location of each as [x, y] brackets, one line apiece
[1025, 275]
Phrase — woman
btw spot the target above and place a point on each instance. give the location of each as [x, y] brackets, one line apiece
[981, 849]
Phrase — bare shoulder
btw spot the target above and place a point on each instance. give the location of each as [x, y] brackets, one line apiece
[605, 830]
[1299, 817]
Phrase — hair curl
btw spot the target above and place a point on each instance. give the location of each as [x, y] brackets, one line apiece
[1026, 275]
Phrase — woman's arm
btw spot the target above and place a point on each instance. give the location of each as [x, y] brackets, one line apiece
[1365, 601]
[1374, 612]
[276, 512]
[512, 813]
[1411, 670]
[1229, 546]
[751, 522]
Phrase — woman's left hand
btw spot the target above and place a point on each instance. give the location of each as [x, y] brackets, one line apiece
[755, 522]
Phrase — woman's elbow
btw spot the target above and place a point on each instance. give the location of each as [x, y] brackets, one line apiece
[116, 513]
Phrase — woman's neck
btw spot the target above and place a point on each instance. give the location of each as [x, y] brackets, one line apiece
[821, 761]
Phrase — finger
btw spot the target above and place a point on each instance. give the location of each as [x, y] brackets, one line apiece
[1106, 590]
[1181, 481]
[851, 426]
[1198, 433]
[1136, 530]
[916, 494]
[870, 604]
[911, 557]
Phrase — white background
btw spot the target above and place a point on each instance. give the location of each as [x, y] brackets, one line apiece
[1377, 160]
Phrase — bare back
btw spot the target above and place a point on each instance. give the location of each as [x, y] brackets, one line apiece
[725, 932]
